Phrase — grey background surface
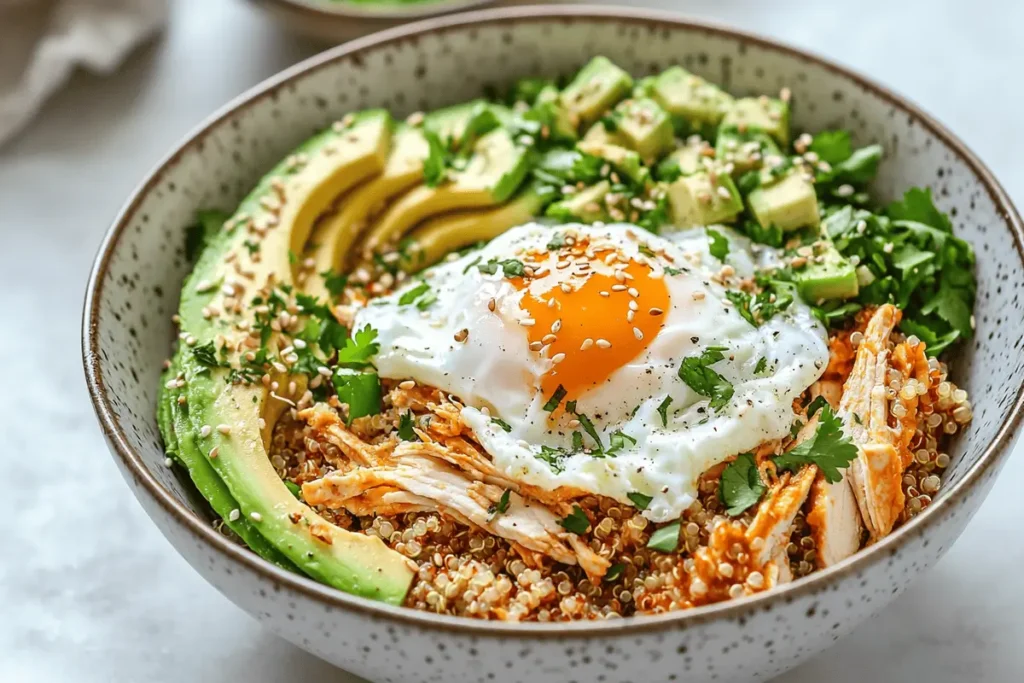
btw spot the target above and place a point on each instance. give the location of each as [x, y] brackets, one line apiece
[90, 591]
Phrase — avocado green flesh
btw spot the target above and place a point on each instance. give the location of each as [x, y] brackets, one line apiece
[352, 562]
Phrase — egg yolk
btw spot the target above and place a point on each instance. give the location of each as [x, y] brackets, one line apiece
[591, 314]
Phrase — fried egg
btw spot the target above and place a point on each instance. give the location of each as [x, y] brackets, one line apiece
[564, 344]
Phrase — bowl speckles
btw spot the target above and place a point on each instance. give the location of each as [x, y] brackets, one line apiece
[134, 285]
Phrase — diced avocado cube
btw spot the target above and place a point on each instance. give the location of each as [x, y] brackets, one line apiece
[595, 90]
[760, 113]
[586, 206]
[625, 161]
[789, 203]
[698, 200]
[683, 94]
[561, 125]
[646, 127]
[826, 275]
[685, 160]
[600, 133]
[744, 150]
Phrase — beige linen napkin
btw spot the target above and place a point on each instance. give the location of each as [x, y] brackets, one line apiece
[42, 41]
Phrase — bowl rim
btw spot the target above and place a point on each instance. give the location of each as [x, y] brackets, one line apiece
[995, 452]
[322, 9]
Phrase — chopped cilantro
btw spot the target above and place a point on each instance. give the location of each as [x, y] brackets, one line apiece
[718, 244]
[645, 250]
[553, 457]
[556, 398]
[663, 410]
[762, 365]
[640, 500]
[697, 373]
[816, 405]
[576, 522]
[435, 166]
[741, 486]
[206, 355]
[830, 449]
[472, 263]
[294, 488]
[614, 571]
[674, 271]
[411, 295]
[665, 539]
[589, 428]
[617, 441]
[405, 427]
[557, 241]
[501, 423]
[758, 309]
[335, 283]
[509, 267]
[501, 507]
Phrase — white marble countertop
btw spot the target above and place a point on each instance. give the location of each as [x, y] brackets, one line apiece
[90, 591]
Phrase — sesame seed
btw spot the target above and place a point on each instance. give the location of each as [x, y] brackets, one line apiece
[214, 452]
[573, 423]
[633, 292]
[462, 335]
[205, 431]
[168, 462]
[723, 192]
[620, 276]
[604, 293]
[618, 288]
[587, 343]
[603, 344]
[256, 517]
[407, 384]
[698, 296]
[224, 429]
[845, 190]
[630, 315]
[558, 358]
[548, 339]
[536, 346]
[491, 304]
[556, 326]
[566, 287]
[527, 322]
[637, 333]
[655, 311]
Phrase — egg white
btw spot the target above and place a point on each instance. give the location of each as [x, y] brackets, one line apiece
[494, 374]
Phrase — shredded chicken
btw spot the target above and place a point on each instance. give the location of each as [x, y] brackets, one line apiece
[876, 475]
[456, 480]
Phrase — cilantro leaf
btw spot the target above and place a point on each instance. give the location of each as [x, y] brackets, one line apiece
[759, 308]
[640, 500]
[816, 405]
[206, 355]
[617, 441]
[413, 294]
[665, 539]
[588, 427]
[576, 522]
[832, 146]
[435, 166]
[663, 410]
[553, 457]
[405, 427]
[501, 423]
[614, 571]
[501, 507]
[335, 283]
[359, 349]
[830, 449]
[359, 390]
[762, 365]
[741, 486]
[697, 373]
[509, 267]
[556, 398]
[718, 245]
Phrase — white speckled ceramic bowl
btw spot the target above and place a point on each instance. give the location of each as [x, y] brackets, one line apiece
[134, 287]
[340, 20]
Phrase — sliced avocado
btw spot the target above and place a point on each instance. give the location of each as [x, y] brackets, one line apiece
[322, 168]
[760, 113]
[686, 160]
[646, 128]
[789, 203]
[335, 235]
[685, 95]
[599, 133]
[827, 275]
[625, 161]
[494, 171]
[698, 200]
[586, 206]
[595, 90]
[744, 150]
[440, 236]
[449, 124]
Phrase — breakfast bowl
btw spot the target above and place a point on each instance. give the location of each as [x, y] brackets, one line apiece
[129, 331]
